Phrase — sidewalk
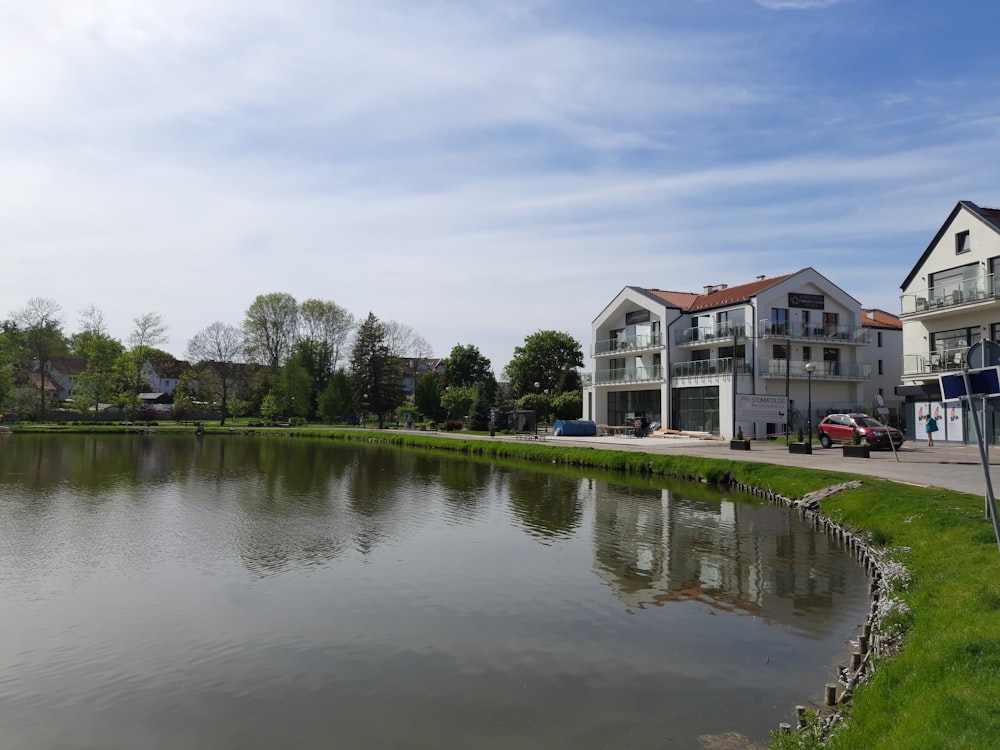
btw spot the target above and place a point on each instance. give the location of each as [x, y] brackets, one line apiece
[949, 465]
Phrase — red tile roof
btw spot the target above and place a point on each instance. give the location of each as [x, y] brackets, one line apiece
[875, 318]
[689, 301]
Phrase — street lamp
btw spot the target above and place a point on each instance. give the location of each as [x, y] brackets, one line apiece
[810, 368]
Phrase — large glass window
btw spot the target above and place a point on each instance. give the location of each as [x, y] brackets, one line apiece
[625, 406]
[696, 409]
[955, 284]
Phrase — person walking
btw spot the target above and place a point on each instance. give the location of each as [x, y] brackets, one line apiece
[930, 426]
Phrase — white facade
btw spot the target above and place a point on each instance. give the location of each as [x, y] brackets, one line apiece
[683, 359]
[950, 302]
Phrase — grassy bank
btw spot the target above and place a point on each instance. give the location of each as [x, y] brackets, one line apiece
[943, 689]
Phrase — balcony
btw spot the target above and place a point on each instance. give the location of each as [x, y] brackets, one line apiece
[706, 368]
[945, 296]
[795, 370]
[621, 375]
[813, 332]
[934, 363]
[705, 334]
[627, 344]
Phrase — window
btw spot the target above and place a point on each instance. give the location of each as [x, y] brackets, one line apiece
[962, 243]
[807, 353]
[952, 285]
[880, 368]
[880, 343]
[779, 351]
[779, 321]
[830, 323]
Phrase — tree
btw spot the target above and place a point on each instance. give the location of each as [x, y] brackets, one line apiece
[548, 361]
[326, 326]
[219, 351]
[427, 395]
[149, 332]
[40, 322]
[96, 384]
[403, 341]
[335, 400]
[269, 407]
[459, 401]
[270, 328]
[376, 374]
[466, 366]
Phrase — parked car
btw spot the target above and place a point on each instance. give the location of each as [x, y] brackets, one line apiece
[839, 428]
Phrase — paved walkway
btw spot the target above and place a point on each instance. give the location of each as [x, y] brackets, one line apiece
[952, 466]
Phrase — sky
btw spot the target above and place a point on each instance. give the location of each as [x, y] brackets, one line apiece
[479, 171]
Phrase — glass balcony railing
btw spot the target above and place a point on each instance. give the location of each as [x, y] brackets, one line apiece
[958, 292]
[701, 334]
[799, 330]
[704, 368]
[795, 368]
[628, 343]
[934, 363]
[628, 375]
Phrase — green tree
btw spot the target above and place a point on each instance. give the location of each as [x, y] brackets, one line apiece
[335, 400]
[269, 407]
[270, 328]
[547, 361]
[376, 373]
[459, 401]
[467, 366]
[96, 385]
[427, 396]
[149, 332]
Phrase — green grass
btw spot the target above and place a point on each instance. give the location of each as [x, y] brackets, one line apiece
[942, 690]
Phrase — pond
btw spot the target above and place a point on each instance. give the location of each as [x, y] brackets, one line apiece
[241, 592]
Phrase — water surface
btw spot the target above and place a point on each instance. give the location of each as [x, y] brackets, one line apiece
[237, 592]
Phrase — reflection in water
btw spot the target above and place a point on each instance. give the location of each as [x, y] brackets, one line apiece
[743, 557]
[256, 593]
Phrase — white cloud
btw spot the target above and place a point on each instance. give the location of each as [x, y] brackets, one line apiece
[476, 173]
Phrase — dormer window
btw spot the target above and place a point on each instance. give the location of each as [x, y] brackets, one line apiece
[963, 243]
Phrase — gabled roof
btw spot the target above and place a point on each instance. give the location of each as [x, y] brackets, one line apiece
[989, 216]
[68, 365]
[169, 368]
[690, 301]
[683, 300]
[875, 318]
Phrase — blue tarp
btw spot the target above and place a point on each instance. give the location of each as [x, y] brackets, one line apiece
[574, 427]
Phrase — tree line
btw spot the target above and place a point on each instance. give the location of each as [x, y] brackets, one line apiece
[308, 361]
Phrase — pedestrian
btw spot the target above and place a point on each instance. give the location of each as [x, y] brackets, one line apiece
[930, 426]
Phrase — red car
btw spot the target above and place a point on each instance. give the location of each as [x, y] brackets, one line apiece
[839, 428]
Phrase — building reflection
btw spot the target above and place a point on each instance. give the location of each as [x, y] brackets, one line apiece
[658, 546]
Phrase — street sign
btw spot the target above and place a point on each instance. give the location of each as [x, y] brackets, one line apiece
[982, 382]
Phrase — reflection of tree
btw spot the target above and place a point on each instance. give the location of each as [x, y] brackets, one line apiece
[465, 484]
[547, 504]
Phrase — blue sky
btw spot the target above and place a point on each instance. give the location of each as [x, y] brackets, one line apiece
[479, 171]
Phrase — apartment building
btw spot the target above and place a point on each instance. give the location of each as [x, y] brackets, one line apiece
[950, 303]
[694, 361]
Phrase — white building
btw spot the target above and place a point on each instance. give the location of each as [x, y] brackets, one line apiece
[950, 302]
[683, 359]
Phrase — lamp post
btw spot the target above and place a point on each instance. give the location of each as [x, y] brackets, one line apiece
[810, 368]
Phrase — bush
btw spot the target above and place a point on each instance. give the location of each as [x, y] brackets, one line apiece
[453, 425]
